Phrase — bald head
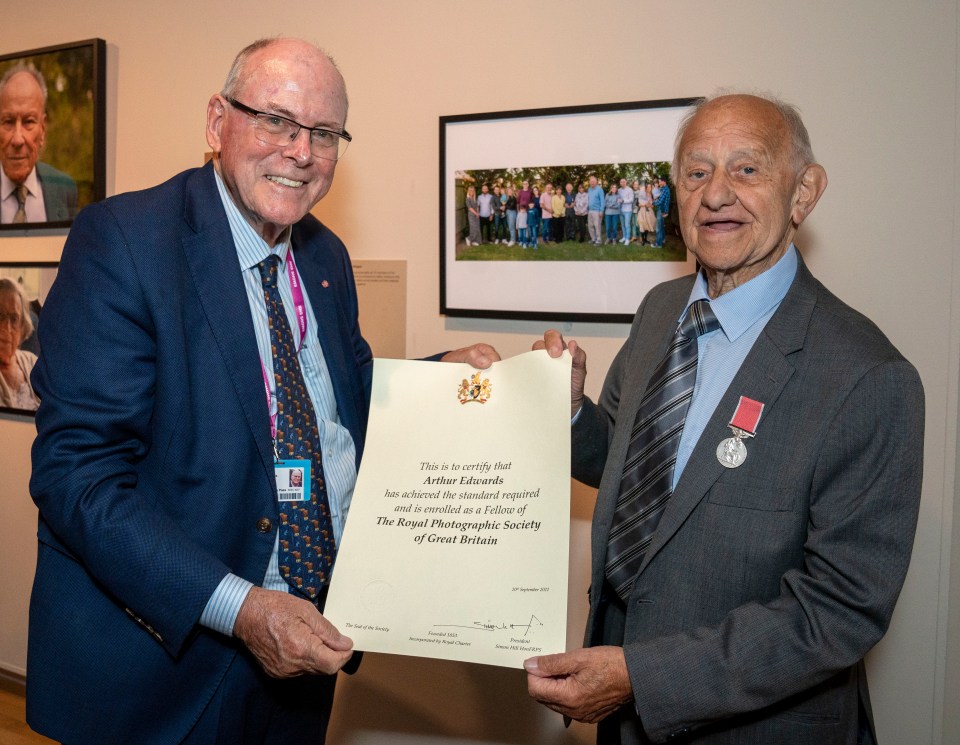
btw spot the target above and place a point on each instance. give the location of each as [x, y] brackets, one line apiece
[265, 49]
[784, 121]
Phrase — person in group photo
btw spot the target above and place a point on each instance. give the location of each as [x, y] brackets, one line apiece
[596, 204]
[625, 199]
[611, 214]
[546, 213]
[534, 219]
[646, 218]
[510, 210]
[499, 215]
[559, 205]
[486, 211]
[473, 217]
[581, 208]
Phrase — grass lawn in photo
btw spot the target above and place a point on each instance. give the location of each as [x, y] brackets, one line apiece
[673, 250]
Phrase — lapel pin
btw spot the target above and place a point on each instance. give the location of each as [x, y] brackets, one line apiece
[324, 284]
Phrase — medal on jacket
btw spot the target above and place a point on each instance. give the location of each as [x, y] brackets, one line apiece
[732, 452]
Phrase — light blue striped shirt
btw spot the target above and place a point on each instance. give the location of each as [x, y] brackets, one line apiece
[743, 312]
[338, 449]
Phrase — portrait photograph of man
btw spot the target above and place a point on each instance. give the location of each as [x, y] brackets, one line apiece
[51, 135]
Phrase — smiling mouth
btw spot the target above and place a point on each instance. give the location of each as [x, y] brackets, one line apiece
[285, 181]
[722, 225]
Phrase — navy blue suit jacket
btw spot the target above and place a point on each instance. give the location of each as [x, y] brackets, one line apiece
[152, 468]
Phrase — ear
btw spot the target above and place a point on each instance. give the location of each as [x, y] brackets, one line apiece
[216, 110]
[810, 185]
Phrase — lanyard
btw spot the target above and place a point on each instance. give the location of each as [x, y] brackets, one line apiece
[300, 309]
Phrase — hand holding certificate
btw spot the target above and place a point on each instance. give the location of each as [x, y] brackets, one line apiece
[457, 542]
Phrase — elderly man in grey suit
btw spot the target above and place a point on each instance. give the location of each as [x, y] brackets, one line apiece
[30, 191]
[757, 446]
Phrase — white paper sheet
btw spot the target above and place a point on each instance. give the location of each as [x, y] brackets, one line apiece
[456, 545]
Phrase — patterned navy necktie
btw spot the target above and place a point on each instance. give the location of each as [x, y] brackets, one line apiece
[647, 481]
[307, 545]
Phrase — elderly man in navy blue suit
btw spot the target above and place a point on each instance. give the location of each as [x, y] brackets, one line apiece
[758, 449]
[168, 604]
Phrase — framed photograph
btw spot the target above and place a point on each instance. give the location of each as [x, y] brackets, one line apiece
[23, 291]
[52, 134]
[564, 213]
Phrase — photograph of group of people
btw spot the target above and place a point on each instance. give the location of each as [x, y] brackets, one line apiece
[600, 212]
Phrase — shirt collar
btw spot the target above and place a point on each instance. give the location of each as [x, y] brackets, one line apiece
[7, 186]
[251, 248]
[741, 307]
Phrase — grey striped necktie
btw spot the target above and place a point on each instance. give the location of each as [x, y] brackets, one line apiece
[21, 214]
[647, 480]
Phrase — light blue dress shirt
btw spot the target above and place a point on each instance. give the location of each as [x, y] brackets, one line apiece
[743, 312]
[338, 448]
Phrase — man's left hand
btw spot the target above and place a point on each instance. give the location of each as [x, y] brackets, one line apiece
[480, 356]
[586, 684]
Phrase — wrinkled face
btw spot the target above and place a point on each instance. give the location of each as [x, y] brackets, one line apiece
[739, 193]
[23, 126]
[10, 320]
[593, 181]
[275, 186]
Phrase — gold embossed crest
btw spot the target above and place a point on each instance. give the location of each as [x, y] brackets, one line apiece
[475, 390]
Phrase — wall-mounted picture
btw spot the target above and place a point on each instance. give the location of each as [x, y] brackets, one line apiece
[565, 213]
[52, 134]
[23, 291]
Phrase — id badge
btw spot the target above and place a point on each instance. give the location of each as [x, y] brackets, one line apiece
[293, 480]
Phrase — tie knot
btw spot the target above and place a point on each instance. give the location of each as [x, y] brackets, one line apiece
[700, 319]
[268, 270]
[21, 194]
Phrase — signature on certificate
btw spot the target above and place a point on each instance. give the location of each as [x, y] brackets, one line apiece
[524, 627]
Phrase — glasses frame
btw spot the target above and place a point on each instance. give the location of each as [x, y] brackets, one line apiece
[255, 114]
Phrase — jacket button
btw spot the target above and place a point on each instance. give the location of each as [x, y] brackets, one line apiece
[264, 525]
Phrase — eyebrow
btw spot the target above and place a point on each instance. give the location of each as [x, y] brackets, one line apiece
[273, 108]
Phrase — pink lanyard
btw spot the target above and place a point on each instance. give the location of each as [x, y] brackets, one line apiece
[300, 309]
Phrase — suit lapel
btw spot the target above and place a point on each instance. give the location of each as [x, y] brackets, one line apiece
[212, 260]
[762, 377]
[321, 282]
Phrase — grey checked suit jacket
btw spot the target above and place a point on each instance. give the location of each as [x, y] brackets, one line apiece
[765, 585]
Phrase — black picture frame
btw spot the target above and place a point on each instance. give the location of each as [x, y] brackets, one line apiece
[636, 137]
[34, 280]
[74, 151]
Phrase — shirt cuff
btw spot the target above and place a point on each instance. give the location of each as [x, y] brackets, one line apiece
[224, 605]
[573, 419]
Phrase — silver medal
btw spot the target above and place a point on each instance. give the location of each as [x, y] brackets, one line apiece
[731, 452]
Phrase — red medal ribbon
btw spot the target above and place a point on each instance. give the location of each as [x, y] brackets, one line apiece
[747, 415]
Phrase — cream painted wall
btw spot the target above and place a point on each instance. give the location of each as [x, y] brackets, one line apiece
[877, 82]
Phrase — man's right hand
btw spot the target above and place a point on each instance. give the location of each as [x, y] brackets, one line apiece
[554, 344]
[289, 636]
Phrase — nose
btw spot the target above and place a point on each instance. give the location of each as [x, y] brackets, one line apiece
[719, 191]
[299, 147]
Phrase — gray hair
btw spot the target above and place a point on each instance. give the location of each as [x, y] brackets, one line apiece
[32, 71]
[234, 77]
[801, 149]
[26, 323]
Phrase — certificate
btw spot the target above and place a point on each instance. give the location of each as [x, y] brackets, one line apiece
[457, 541]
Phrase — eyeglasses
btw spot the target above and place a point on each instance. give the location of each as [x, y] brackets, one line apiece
[273, 129]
